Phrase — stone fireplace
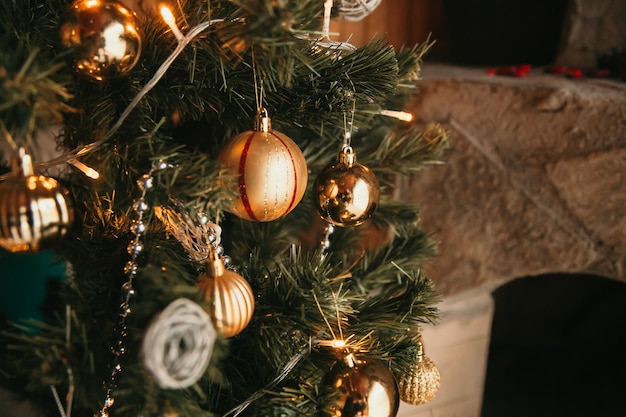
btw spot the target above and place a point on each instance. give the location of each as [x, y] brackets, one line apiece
[534, 183]
[535, 180]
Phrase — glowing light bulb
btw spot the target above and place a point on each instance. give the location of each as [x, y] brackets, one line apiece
[169, 19]
[338, 343]
[400, 115]
[88, 171]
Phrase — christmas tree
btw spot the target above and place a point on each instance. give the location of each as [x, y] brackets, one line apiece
[221, 204]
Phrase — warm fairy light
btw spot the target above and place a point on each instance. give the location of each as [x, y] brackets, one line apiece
[332, 343]
[338, 343]
[183, 41]
[168, 17]
[400, 115]
[88, 171]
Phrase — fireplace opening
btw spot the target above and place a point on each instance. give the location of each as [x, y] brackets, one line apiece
[503, 32]
[557, 348]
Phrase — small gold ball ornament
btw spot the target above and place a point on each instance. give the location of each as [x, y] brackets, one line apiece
[104, 37]
[346, 193]
[33, 208]
[365, 387]
[230, 295]
[422, 384]
[271, 169]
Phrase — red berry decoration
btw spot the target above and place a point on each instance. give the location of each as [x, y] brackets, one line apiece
[574, 73]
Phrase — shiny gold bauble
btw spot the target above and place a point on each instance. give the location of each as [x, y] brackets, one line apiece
[422, 384]
[365, 388]
[34, 209]
[230, 297]
[271, 171]
[103, 36]
[346, 193]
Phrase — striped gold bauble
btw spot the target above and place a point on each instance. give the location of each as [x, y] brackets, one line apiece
[270, 169]
[229, 295]
[421, 384]
[33, 208]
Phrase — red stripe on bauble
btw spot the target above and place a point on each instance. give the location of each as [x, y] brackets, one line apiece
[242, 179]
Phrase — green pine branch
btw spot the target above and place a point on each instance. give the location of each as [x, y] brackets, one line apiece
[367, 287]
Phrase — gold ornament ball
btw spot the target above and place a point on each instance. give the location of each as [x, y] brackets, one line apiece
[271, 171]
[365, 387]
[103, 36]
[230, 296]
[346, 193]
[422, 384]
[33, 208]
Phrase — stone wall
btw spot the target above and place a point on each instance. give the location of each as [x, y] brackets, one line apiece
[591, 28]
[535, 181]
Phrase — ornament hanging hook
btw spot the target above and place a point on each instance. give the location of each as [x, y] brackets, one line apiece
[258, 89]
[325, 40]
[347, 132]
[347, 140]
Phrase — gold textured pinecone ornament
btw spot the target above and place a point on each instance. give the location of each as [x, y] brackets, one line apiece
[421, 385]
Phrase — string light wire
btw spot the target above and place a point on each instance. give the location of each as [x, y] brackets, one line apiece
[71, 156]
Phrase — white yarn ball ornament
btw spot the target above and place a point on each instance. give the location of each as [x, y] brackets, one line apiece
[356, 10]
[178, 344]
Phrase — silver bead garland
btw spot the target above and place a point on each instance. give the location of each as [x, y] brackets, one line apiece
[328, 230]
[131, 268]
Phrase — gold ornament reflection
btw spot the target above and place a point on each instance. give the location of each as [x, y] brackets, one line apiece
[103, 36]
[33, 208]
[346, 193]
[364, 388]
